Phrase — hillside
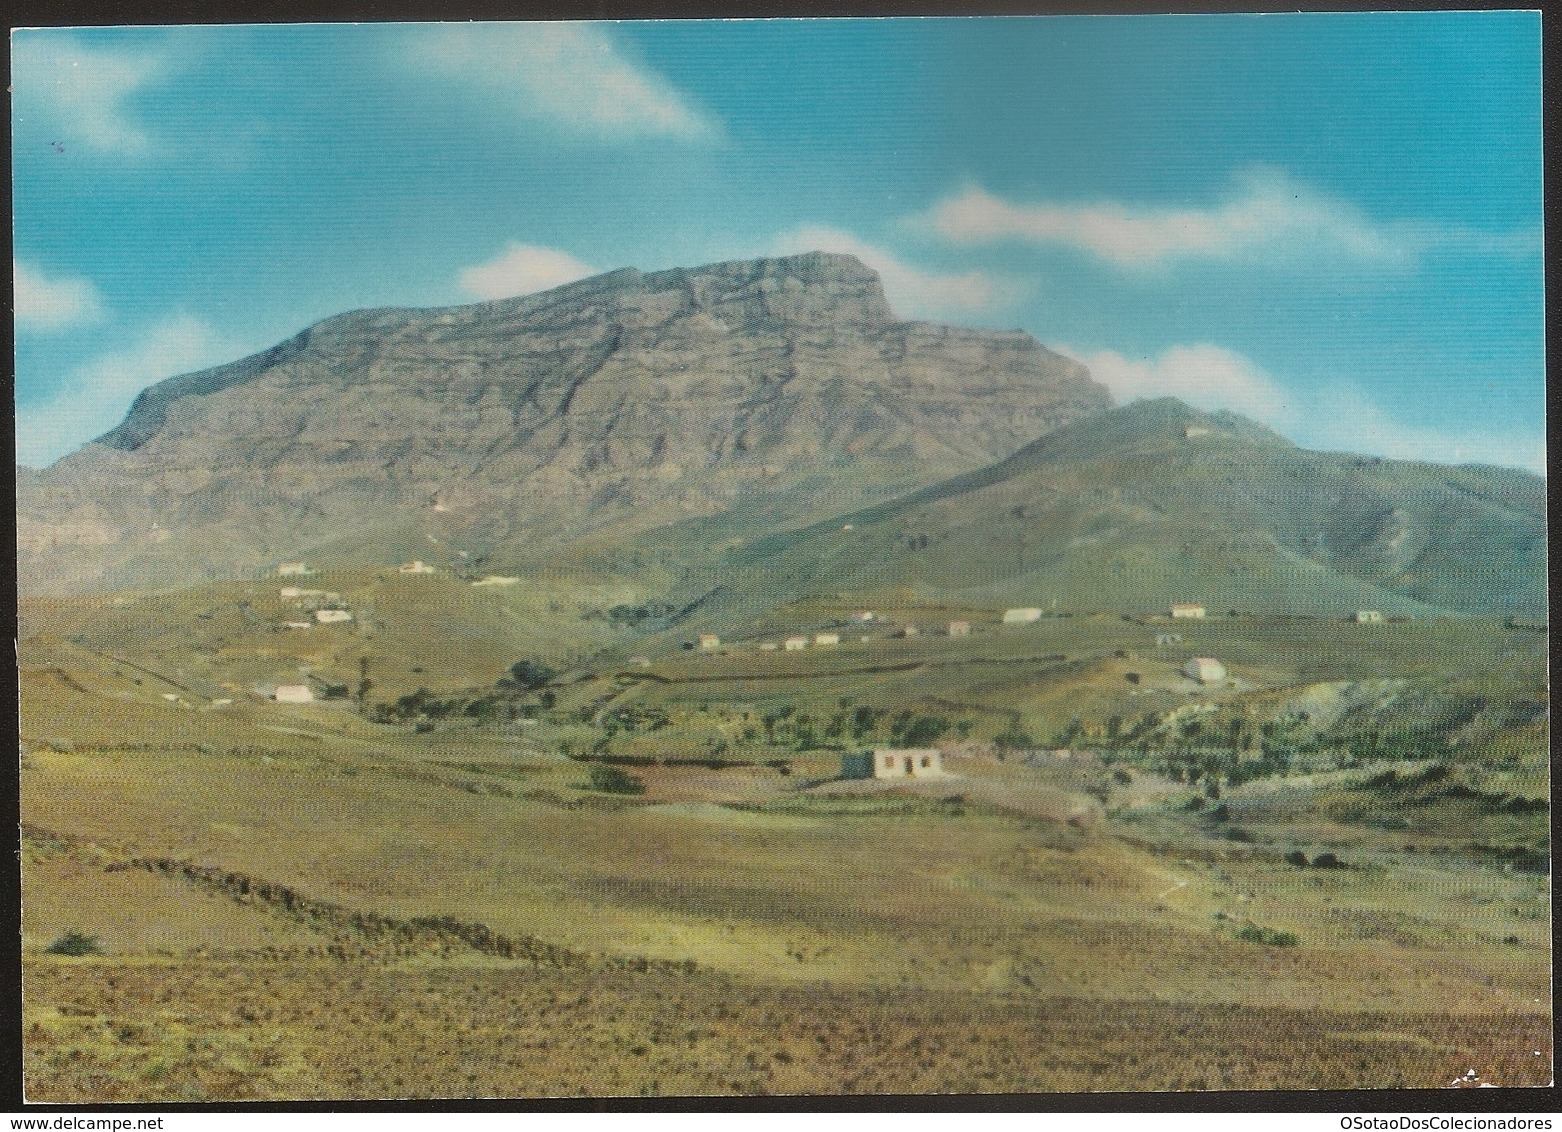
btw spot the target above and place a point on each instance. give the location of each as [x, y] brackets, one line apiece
[510, 428]
[1156, 502]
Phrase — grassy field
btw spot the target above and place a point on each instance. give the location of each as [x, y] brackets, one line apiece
[297, 901]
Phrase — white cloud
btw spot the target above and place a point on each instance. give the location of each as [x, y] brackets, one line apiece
[1345, 418]
[1269, 216]
[83, 93]
[1205, 376]
[569, 73]
[910, 290]
[95, 397]
[523, 269]
[1339, 417]
[45, 303]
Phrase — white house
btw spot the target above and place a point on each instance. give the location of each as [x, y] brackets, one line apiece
[709, 641]
[767, 646]
[827, 638]
[959, 628]
[1205, 669]
[295, 624]
[1368, 617]
[327, 616]
[417, 566]
[1021, 616]
[862, 617]
[293, 694]
[1187, 609]
[890, 762]
[293, 570]
[796, 644]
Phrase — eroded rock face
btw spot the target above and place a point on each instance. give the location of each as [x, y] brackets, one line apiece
[625, 401]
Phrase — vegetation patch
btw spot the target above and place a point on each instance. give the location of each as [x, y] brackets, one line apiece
[75, 943]
[1269, 937]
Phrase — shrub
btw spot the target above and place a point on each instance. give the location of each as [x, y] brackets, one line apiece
[1327, 861]
[1296, 857]
[1269, 937]
[75, 943]
[612, 780]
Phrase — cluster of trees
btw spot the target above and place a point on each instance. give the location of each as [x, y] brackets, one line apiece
[855, 724]
[650, 615]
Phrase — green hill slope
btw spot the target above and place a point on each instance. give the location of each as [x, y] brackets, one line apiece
[1156, 502]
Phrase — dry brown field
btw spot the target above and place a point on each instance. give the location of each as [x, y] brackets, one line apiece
[292, 902]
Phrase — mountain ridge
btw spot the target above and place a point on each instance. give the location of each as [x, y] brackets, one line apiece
[627, 399]
[1154, 502]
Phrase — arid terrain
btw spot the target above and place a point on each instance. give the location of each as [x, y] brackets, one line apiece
[456, 703]
[298, 901]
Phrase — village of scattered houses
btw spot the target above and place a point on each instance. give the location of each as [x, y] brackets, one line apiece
[1204, 671]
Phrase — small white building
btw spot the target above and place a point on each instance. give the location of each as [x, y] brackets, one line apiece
[1021, 616]
[908, 631]
[709, 641]
[891, 762]
[1205, 669]
[796, 644]
[768, 646]
[862, 617]
[293, 694]
[827, 638]
[640, 661]
[417, 566]
[496, 580]
[293, 570]
[959, 628]
[296, 624]
[328, 616]
[1187, 609]
[1368, 617]
[1192, 432]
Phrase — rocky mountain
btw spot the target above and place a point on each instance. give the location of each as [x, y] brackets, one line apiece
[512, 428]
[1156, 502]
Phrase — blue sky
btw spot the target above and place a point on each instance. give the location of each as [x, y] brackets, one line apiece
[1331, 223]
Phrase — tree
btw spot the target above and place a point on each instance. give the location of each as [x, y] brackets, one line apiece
[1014, 739]
[529, 675]
[611, 780]
[925, 729]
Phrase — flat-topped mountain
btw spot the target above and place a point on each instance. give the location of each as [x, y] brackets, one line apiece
[618, 403]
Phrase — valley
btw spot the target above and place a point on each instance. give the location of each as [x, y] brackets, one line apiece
[1346, 839]
[495, 701]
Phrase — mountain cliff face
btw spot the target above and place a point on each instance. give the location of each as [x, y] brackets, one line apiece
[622, 403]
